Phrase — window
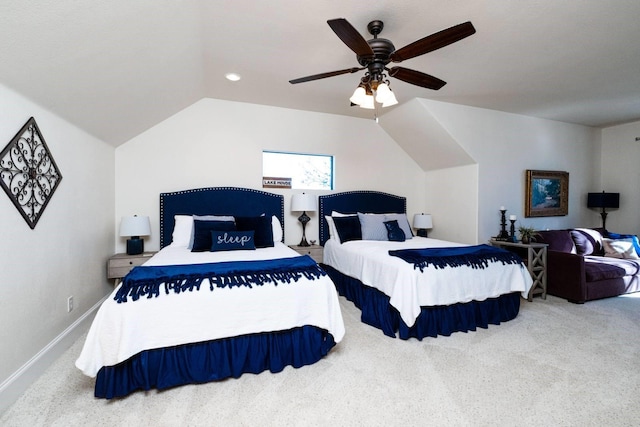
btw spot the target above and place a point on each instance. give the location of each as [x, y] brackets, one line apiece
[306, 171]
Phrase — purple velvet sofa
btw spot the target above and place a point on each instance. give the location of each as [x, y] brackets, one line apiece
[582, 266]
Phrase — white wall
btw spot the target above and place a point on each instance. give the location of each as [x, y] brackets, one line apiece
[504, 146]
[66, 253]
[220, 143]
[621, 174]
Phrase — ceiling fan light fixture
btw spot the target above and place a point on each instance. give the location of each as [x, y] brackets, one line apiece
[358, 96]
[383, 93]
[368, 103]
[391, 100]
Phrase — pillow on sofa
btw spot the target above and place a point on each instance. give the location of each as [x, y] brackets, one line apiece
[636, 242]
[620, 248]
[558, 240]
[587, 241]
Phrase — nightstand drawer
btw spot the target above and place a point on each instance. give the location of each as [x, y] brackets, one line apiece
[120, 264]
[314, 251]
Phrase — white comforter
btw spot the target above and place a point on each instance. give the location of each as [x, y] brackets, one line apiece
[409, 289]
[120, 331]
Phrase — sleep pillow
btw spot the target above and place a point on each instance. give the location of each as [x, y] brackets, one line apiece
[232, 240]
[202, 233]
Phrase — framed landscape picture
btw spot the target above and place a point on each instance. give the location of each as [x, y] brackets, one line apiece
[547, 193]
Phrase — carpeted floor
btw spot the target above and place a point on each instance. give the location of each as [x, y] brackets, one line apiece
[556, 364]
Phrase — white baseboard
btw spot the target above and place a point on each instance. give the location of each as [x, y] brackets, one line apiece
[13, 387]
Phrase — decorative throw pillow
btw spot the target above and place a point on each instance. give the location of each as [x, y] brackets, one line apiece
[587, 241]
[634, 238]
[232, 240]
[394, 232]
[261, 225]
[202, 233]
[372, 226]
[620, 248]
[348, 228]
[403, 222]
[206, 218]
[333, 233]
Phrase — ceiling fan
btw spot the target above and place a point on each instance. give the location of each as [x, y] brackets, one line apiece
[375, 54]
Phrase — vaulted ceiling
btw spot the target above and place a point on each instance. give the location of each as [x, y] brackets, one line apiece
[116, 68]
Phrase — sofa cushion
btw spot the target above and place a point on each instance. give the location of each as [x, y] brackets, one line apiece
[602, 268]
[558, 240]
[588, 241]
[620, 248]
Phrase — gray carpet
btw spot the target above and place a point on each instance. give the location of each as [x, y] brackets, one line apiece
[556, 364]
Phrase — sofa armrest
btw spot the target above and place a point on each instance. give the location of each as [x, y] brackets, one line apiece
[566, 276]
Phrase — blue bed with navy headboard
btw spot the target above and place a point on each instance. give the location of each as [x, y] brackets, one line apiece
[196, 362]
[375, 305]
[216, 201]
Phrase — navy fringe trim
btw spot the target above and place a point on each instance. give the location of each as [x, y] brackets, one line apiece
[146, 281]
[477, 257]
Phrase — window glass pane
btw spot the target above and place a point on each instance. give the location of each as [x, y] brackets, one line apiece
[306, 171]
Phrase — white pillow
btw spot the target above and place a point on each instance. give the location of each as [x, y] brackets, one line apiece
[182, 231]
[619, 248]
[277, 229]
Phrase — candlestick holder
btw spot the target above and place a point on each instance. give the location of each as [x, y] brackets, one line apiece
[503, 235]
[512, 231]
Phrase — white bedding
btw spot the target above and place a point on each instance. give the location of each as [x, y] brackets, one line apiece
[409, 289]
[120, 331]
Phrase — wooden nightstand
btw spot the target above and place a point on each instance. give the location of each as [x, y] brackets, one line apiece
[534, 256]
[120, 264]
[314, 251]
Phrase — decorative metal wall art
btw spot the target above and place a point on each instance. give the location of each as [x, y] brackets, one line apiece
[28, 173]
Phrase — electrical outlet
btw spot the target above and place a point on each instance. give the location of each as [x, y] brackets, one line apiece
[69, 304]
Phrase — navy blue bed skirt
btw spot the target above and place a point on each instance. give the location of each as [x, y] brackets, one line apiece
[432, 321]
[214, 360]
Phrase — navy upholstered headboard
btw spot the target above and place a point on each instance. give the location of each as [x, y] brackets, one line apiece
[216, 201]
[357, 201]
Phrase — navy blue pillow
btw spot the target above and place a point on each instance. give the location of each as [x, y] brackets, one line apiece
[202, 233]
[232, 240]
[260, 225]
[394, 232]
[348, 228]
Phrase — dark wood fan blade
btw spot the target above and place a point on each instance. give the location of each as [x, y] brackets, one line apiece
[434, 41]
[416, 78]
[325, 75]
[350, 36]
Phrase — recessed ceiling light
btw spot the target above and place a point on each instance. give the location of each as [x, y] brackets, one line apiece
[233, 77]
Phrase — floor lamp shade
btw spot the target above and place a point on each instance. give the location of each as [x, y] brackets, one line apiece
[134, 227]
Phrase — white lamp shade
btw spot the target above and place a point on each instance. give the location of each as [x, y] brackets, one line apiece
[391, 100]
[368, 103]
[135, 226]
[383, 93]
[303, 202]
[358, 95]
[422, 221]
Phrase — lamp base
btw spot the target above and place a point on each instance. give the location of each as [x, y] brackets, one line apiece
[304, 219]
[135, 246]
[421, 232]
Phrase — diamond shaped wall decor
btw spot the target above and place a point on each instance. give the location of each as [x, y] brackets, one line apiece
[28, 173]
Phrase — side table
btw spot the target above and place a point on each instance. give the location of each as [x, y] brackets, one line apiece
[314, 251]
[536, 261]
[119, 265]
